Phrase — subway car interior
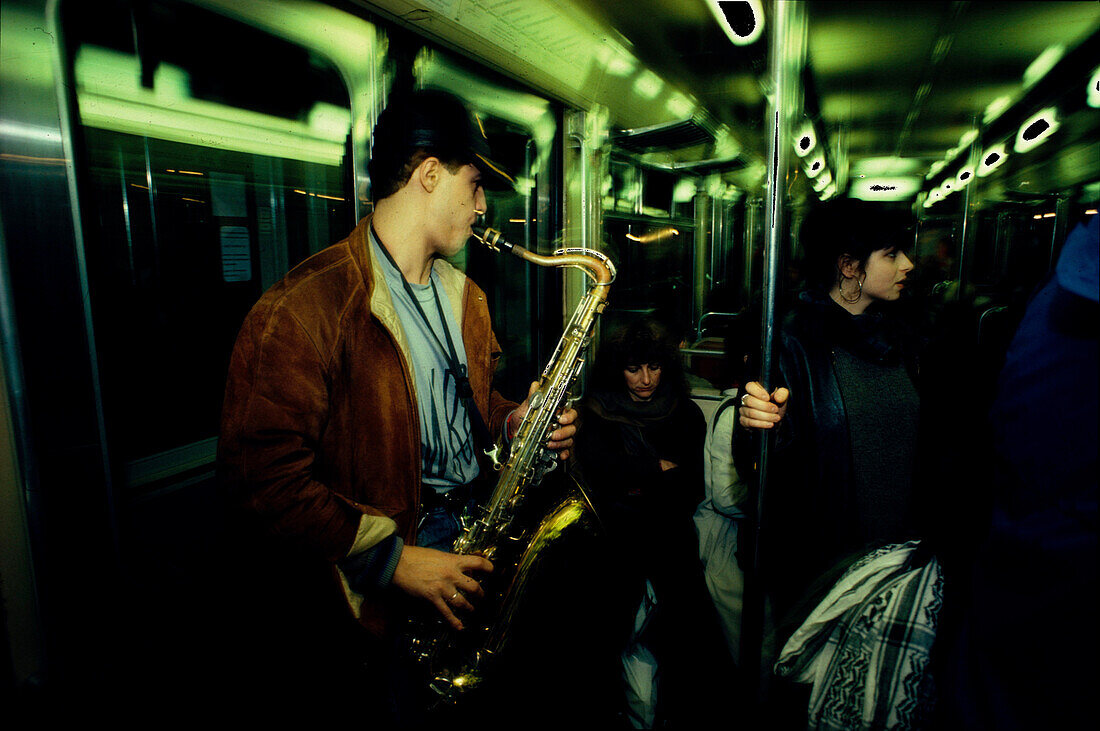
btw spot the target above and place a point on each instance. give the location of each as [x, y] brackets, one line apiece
[165, 162]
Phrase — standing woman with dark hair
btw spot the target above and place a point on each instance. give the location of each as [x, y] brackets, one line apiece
[845, 413]
[641, 450]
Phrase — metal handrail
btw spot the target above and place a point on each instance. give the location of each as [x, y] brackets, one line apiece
[705, 315]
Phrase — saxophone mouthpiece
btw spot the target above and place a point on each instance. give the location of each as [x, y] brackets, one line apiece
[491, 237]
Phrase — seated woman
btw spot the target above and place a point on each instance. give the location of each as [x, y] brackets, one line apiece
[641, 451]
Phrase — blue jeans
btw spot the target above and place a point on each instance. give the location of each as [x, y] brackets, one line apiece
[439, 527]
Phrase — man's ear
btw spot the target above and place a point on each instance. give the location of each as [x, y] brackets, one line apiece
[427, 173]
[848, 266]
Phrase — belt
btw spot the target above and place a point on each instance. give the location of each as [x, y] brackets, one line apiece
[453, 500]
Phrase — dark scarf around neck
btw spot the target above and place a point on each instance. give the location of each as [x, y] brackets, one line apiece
[873, 336]
[618, 406]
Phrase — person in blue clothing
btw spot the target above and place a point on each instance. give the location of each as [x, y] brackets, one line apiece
[1026, 659]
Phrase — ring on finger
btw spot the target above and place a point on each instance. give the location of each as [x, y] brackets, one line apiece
[743, 397]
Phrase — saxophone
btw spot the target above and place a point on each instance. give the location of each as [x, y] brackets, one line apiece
[501, 530]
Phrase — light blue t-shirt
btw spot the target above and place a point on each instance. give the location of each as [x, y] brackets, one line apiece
[446, 437]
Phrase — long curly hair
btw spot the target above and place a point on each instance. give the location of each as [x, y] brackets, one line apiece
[644, 341]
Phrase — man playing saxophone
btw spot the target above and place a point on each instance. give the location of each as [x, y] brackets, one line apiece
[358, 401]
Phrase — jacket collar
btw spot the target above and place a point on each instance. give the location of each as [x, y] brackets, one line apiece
[452, 280]
[872, 336]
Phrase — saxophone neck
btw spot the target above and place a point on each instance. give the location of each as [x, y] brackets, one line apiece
[596, 265]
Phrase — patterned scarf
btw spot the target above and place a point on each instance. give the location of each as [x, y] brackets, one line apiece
[866, 646]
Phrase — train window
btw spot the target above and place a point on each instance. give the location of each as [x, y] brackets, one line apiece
[656, 264]
[625, 187]
[207, 169]
[657, 193]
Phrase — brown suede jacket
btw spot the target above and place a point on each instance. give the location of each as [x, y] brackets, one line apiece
[320, 434]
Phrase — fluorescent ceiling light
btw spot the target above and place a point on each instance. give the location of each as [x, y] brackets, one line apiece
[815, 165]
[805, 141]
[964, 177]
[1037, 129]
[742, 20]
[885, 188]
[992, 159]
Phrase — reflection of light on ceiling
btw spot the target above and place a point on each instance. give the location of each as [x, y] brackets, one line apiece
[992, 159]
[679, 106]
[936, 167]
[725, 144]
[653, 236]
[648, 85]
[996, 108]
[1094, 89]
[742, 20]
[1042, 64]
[615, 62]
[1037, 129]
[683, 191]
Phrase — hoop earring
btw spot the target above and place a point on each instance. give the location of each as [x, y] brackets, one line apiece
[858, 294]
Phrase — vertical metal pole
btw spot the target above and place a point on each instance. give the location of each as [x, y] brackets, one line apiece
[965, 248]
[1061, 225]
[752, 227]
[702, 247]
[787, 58]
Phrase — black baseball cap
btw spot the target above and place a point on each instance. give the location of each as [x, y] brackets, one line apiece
[440, 123]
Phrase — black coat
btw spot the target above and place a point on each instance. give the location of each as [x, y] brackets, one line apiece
[646, 510]
[809, 519]
[647, 514]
